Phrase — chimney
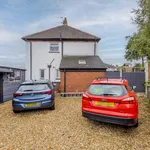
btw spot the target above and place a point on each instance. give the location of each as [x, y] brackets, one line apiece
[65, 21]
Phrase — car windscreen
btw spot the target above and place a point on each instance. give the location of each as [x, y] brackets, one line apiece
[107, 90]
[33, 87]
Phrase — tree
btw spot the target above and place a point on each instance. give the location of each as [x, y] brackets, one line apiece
[138, 45]
[137, 65]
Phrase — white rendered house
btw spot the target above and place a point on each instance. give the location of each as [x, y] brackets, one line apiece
[45, 49]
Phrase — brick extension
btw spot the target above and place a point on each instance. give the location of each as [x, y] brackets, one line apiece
[78, 81]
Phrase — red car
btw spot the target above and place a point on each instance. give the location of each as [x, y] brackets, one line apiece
[112, 101]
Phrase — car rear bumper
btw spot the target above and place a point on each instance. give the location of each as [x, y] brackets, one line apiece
[21, 106]
[109, 119]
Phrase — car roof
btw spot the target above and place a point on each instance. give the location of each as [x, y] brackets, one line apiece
[36, 82]
[110, 81]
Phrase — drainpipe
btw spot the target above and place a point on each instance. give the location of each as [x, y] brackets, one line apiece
[62, 43]
[62, 48]
[64, 81]
[30, 60]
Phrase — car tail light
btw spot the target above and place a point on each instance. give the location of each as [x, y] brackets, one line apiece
[129, 100]
[17, 94]
[47, 92]
[85, 97]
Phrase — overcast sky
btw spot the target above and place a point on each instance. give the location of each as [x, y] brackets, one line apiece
[108, 19]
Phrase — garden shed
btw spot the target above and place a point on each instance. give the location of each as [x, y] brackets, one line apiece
[10, 79]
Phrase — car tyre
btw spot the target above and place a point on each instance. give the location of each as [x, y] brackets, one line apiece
[16, 111]
[52, 107]
[136, 125]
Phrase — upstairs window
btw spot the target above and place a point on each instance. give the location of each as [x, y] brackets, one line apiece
[54, 48]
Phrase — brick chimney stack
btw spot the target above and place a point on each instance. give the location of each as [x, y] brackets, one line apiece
[65, 21]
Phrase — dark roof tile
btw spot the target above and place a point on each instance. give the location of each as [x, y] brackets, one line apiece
[64, 32]
[92, 62]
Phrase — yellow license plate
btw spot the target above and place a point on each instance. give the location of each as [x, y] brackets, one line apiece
[106, 104]
[31, 104]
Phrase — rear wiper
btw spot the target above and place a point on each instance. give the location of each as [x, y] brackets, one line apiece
[27, 90]
[107, 94]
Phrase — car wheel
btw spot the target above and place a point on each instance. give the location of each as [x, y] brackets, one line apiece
[16, 111]
[136, 125]
[52, 107]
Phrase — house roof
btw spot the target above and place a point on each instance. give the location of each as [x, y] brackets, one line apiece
[63, 32]
[10, 68]
[110, 66]
[72, 62]
[5, 70]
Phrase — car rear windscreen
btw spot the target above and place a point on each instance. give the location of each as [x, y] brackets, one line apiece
[107, 90]
[33, 87]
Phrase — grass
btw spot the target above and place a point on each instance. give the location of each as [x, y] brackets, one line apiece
[146, 102]
[65, 129]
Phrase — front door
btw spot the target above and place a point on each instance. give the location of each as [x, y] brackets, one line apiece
[1, 87]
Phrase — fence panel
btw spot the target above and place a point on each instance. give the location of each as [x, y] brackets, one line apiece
[134, 78]
[113, 74]
[137, 79]
[9, 88]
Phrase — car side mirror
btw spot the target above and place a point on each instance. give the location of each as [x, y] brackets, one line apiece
[133, 87]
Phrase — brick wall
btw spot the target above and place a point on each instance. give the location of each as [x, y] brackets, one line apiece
[78, 81]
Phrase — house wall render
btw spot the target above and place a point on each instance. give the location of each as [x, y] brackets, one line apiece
[41, 57]
[79, 48]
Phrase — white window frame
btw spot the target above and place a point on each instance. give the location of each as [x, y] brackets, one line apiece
[57, 74]
[54, 48]
[41, 74]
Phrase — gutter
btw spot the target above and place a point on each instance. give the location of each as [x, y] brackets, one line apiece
[82, 69]
[30, 60]
[12, 68]
[57, 39]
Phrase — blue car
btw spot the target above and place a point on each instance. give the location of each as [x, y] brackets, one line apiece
[34, 95]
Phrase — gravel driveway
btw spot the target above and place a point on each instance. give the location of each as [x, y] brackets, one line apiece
[65, 129]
